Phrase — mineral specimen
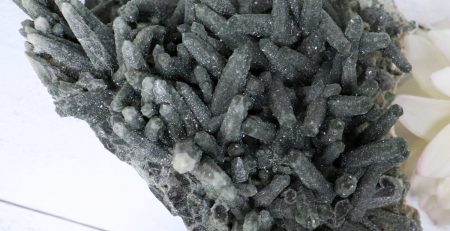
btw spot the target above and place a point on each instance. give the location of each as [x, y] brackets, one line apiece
[239, 114]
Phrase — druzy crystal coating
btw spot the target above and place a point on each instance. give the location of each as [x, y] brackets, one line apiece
[239, 114]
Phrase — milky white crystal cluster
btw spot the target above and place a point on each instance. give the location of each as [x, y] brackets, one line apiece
[425, 98]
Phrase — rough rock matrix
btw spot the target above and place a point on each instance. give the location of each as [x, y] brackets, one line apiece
[250, 115]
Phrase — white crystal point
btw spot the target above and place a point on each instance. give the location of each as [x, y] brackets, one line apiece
[426, 59]
[441, 38]
[424, 117]
[441, 80]
[435, 159]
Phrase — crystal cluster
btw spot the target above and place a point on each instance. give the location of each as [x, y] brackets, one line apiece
[240, 114]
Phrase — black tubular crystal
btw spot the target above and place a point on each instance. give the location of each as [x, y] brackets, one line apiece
[242, 115]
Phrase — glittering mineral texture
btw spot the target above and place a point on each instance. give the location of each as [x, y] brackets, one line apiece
[250, 115]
